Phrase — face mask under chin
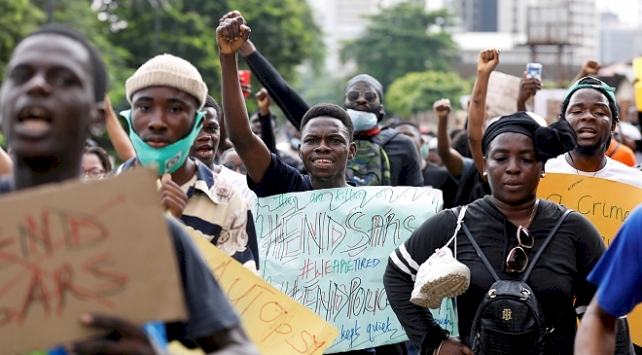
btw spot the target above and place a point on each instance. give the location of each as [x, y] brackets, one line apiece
[169, 158]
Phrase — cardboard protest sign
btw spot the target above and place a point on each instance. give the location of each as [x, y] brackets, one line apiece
[606, 203]
[328, 249]
[548, 103]
[276, 324]
[501, 97]
[100, 247]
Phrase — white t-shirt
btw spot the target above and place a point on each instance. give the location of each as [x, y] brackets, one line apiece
[613, 170]
[240, 181]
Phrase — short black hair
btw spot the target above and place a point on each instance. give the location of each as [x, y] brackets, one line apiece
[613, 106]
[98, 68]
[329, 110]
[210, 102]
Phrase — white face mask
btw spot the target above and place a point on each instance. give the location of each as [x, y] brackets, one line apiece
[361, 120]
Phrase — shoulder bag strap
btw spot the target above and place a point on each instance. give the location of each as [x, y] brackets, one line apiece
[544, 245]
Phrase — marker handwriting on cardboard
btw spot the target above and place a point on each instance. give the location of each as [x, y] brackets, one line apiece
[26, 251]
[327, 249]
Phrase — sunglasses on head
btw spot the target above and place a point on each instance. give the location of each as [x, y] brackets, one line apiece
[517, 259]
[353, 95]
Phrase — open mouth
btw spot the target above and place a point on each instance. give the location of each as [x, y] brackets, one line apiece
[34, 120]
[587, 132]
[204, 151]
[322, 161]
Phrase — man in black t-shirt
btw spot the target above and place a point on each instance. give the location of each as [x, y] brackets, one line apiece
[53, 89]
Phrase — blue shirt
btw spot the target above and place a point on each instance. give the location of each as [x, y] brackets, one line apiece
[618, 274]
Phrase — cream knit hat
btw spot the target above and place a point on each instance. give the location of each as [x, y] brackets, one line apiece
[168, 70]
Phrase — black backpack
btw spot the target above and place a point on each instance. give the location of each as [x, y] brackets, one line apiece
[509, 319]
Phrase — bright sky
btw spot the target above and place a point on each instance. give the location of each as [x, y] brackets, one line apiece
[627, 10]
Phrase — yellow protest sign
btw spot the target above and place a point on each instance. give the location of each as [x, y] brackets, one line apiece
[605, 203]
[276, 324]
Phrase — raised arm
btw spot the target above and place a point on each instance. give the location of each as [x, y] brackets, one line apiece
[117, 134]
[231, 34]
[486, 63]
[265, 119]
[451, 158]
[527, 88]
[292, 105]
[589, 68]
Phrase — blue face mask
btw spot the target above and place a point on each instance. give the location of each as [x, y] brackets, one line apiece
[362, 121]
[169, 158]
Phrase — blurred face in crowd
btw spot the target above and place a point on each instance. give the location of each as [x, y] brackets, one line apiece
[413, 133]
[47, 98]
[231, 160]
[206, 144]
[92, 167]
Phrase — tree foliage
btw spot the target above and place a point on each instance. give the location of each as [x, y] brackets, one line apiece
[416, 92]
[402, 39]
[18, 19]
[283, 30]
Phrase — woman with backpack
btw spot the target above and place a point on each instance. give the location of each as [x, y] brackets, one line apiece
[518, 302]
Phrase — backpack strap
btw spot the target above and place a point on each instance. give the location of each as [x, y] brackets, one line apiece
[479, 252]
[533, 261]
[384, 136]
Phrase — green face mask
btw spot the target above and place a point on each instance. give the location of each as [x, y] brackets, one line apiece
[169, 158]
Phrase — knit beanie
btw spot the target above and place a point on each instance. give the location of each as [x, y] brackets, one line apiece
[168, 70]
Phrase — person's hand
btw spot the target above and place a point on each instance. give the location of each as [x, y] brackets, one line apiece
[230, 15]
[231, 34]
[442, 108]
[454, 346]
[109, 110]
[527, 88]
[590, 68]
[123, 338]
[264, 101]
[488, 60]
[172, 197]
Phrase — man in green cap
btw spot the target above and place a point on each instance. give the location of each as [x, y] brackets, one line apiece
[590, 107]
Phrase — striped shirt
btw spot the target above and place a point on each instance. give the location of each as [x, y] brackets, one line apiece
[218, 212]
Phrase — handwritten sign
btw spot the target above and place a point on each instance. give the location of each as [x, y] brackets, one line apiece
[501, 97]
[84, 247]
[606, 203]
[328, 249]
[276, 324]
